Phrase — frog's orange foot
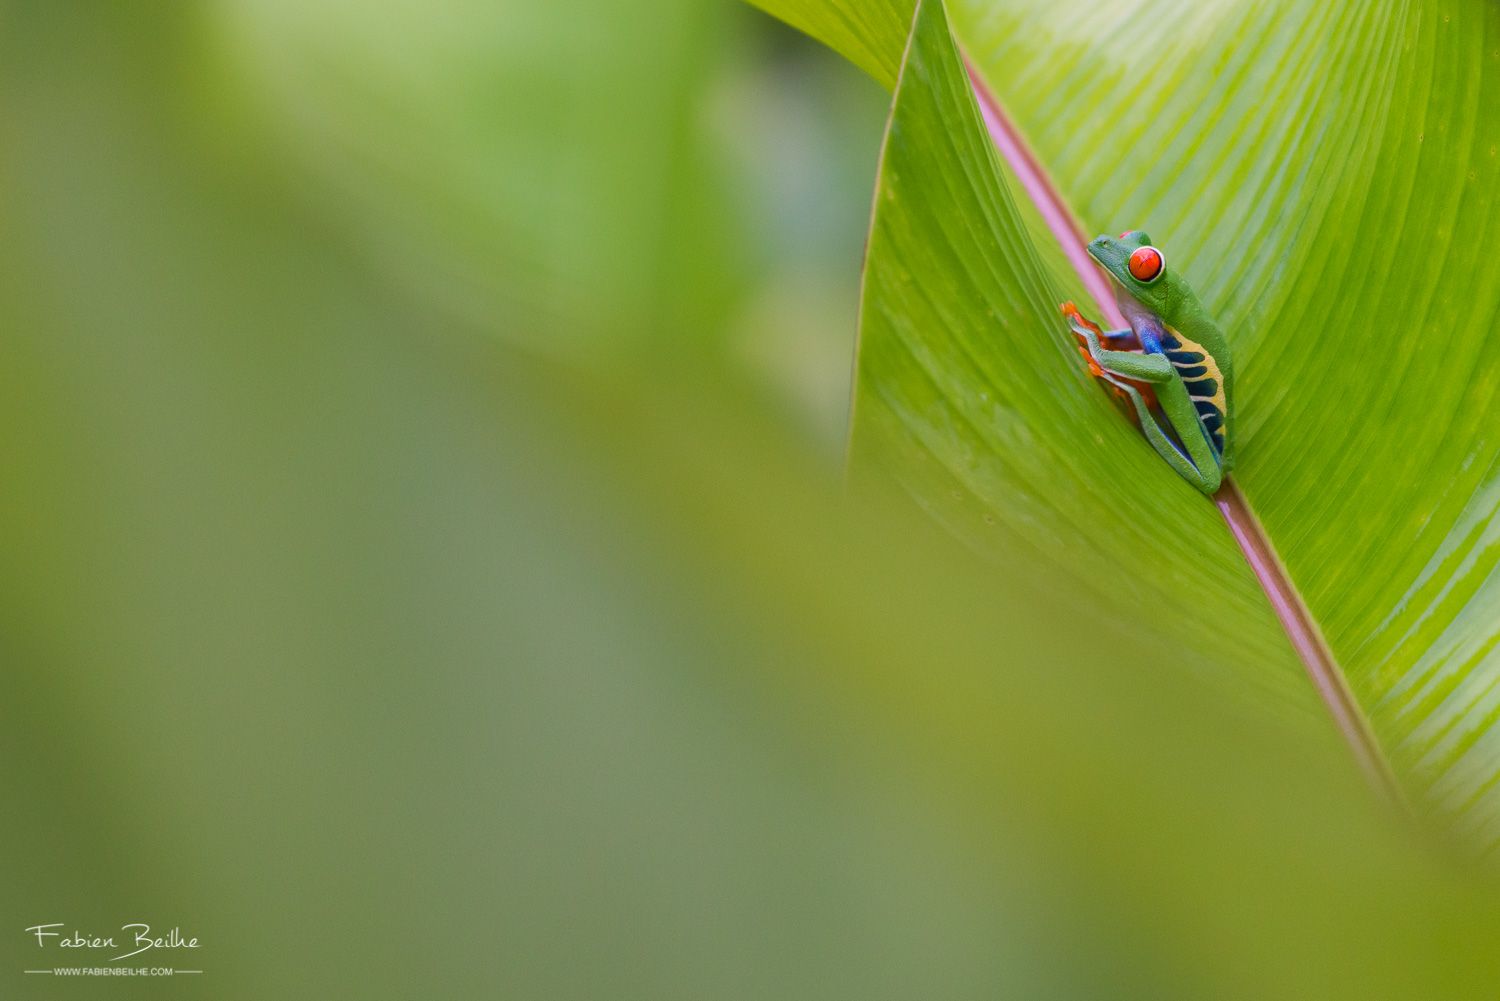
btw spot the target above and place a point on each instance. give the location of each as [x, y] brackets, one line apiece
[1077, 319]
[1079, 324]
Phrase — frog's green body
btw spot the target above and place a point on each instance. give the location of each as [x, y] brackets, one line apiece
[1174, 346]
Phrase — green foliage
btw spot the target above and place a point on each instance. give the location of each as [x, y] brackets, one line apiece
[494, 178]
[870, 34]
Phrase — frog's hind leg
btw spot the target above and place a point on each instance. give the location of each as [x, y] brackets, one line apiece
[1183, 416]
[1164, 445]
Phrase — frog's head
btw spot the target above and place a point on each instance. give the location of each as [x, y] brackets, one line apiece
[1139, 268]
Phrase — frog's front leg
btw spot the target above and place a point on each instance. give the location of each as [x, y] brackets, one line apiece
[1085, 329]
[1200, 465]
[1082, 326]
[1153, 368]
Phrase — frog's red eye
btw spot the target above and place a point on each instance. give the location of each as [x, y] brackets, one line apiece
[1146, 264]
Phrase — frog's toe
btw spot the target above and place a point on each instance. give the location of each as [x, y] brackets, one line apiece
[1078, 322]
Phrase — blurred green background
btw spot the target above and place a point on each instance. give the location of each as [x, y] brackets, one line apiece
[427, 573]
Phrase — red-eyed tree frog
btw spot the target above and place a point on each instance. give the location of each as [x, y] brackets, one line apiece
[1172, 365]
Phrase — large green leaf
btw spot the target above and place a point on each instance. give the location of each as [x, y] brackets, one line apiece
[1328, 172]
[1324, 174]
[968, 386]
